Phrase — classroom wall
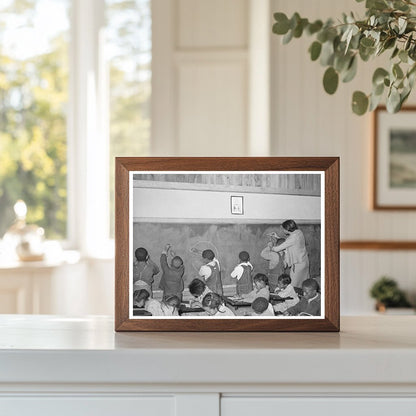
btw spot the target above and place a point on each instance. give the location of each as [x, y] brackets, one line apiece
[226, 240]
[165, 205]
[189, 219]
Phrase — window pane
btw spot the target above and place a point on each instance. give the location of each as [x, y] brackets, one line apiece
[129, 45]
[33, 100]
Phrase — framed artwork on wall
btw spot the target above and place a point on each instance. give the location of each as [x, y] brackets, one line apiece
[394, 150]
[185, 261]
[237, 205]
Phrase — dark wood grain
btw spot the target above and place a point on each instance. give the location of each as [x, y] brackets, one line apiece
[378, 245]
[330, 165]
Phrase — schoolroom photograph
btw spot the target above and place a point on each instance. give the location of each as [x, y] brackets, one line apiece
[226, 245]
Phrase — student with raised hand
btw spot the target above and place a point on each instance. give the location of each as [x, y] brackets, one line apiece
[261, 289]
[211, 272]
[172, 274]
[296, 255]
[310, 304]
[213, 305]
[242, 272]
[144, 270]
[275, 260]
[198, 289]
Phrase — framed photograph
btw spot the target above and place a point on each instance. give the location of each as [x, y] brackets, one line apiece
[185, 261]
[394, 179]
[237, 205]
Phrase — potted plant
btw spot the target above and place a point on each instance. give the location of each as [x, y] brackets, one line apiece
[387, 294]
[389, 27]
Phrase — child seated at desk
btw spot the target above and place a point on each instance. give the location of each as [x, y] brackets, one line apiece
[262, 307]
[285, 290]
[198, 289]
[168, 306]
[261, 289]
[213, 305]
[310, 304]
[171, 282]
[144, 270]
[242, 273]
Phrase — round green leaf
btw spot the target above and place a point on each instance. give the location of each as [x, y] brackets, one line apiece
[327, 54]
[359, 103]
[408, 42]
[342, 61]
[365, 53]
[393, 101]
[281, 26]
[298, 30]
[294, 20]
[389, 43]
[379, 75]
[397, 71]
[374, 102]
[330, 80]
[315, 50]
[288, 37]
[351, 71]
[367, 42]
[314, 27]
[395, 52]
[403, 56]
[378, 90]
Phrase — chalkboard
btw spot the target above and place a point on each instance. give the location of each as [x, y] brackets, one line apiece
[226, 240]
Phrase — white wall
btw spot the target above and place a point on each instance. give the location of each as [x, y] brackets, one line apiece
[171, 205]
[204, 77]
[201, 79]
[308, 122]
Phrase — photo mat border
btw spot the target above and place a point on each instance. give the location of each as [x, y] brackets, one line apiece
[322, 222]
[329, 165]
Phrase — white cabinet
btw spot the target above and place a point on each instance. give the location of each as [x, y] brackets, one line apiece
[325, 406]
[88, 406]
[38, 287]
[51, 365]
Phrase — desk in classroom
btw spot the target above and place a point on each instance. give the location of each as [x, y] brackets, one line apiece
[236, 303]
[141, 312]
[184, 308]
[275, 298]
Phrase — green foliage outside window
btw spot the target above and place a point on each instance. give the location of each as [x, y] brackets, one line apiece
[34, 104]
[33, 99]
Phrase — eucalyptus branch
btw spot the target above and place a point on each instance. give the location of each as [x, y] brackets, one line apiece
[388, 26]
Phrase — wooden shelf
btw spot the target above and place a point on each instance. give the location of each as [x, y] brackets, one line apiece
[377, 245]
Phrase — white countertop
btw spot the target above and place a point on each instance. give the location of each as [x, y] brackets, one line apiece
[53, 349]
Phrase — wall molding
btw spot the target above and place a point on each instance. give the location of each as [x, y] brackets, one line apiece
[377, 245]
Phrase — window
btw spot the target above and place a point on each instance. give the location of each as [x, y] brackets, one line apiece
[33, 99]
[75, 87]
[129, 46]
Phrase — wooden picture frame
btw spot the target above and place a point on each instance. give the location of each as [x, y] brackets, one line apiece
[394, 158]
[307, 168]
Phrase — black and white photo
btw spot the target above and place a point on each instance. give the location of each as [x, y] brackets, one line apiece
[226, 245]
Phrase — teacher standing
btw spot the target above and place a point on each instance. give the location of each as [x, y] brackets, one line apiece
[296, 255]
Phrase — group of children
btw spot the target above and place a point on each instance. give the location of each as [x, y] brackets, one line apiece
[207, 290]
